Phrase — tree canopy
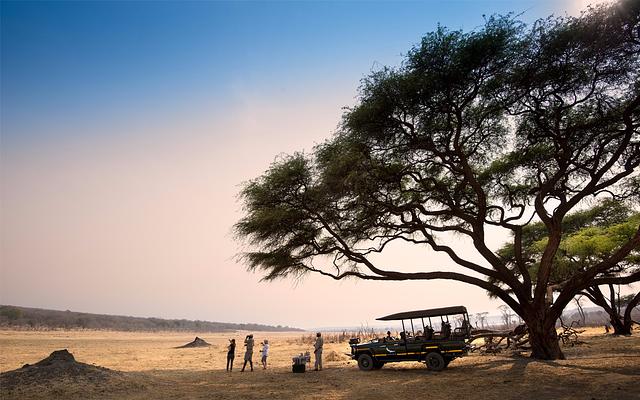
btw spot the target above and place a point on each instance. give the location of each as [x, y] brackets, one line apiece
[589, 236]
[502, 126]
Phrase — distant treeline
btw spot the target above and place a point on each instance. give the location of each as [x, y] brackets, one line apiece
[36, 318]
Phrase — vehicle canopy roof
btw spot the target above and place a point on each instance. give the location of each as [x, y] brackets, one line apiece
[434, 312]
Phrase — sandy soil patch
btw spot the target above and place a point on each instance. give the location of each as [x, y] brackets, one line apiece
[605, 368]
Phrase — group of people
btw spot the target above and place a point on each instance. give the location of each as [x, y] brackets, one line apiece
[248, 353]
[428, 334]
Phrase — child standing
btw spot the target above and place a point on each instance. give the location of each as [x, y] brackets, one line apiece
[265, 353]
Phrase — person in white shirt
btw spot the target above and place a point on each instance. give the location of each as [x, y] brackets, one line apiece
[265, 353]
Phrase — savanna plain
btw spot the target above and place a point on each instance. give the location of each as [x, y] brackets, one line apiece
[148, 366]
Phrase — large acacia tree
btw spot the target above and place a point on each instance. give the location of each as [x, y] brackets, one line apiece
[497, 127]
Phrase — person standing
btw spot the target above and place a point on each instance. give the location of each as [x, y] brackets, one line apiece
[265, 353]
[248, 354]
[231, 354]
[317, 350]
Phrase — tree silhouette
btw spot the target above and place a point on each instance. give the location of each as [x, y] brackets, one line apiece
[497, 127]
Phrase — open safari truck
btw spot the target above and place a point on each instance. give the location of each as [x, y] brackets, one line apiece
[419, 340]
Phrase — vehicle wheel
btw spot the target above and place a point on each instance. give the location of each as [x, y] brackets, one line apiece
[435, 362]
[365, 362]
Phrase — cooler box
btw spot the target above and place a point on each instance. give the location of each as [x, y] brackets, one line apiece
[300, 362]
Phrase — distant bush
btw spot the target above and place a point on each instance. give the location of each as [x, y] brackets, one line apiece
[11, 313]
[36, 318]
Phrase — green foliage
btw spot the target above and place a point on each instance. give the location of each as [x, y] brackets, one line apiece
[591, 235]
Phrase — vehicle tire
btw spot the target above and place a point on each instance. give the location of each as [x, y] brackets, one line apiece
[365, 362]
[435, 362]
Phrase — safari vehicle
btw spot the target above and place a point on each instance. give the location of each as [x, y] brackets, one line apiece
[435, 348]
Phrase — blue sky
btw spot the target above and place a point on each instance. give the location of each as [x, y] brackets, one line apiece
[128, 127]
[105, 60]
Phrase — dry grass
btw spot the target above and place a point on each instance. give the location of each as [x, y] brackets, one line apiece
[605, 368]
[339, 337]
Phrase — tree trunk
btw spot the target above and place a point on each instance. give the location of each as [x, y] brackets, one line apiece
[544, 340]
[618, 324]
[627, 313]
[620, 327]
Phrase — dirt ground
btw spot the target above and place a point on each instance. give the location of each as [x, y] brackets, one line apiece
[150, 367]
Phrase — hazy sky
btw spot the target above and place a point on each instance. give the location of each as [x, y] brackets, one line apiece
[127, 128]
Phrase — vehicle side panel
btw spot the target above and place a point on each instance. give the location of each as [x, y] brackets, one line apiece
[410, 350]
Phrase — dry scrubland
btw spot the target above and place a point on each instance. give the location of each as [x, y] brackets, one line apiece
[605, 367]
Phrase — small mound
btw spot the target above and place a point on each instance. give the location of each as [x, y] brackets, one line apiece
[58, 357]
[197, 342]
[60, 365]
[335, 356]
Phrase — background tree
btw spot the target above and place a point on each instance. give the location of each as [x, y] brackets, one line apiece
[506, 315]
[578, 300]
[497, 127]
[590, 237]
[481, 320]
[619, 310]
